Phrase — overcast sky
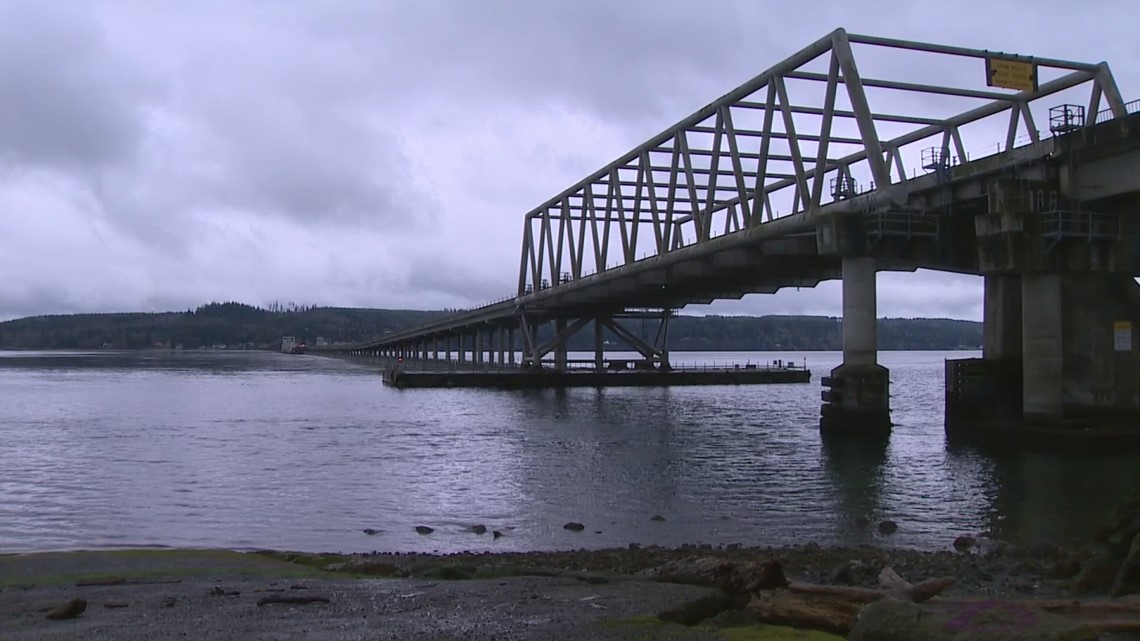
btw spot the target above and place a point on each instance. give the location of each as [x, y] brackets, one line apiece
[158, 155]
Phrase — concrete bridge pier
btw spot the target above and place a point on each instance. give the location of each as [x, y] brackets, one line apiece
[1059, 353]
[1042, 340]
[599, 345]
[500, 346]
[560, 350]
[1080, 365]
[857, 398]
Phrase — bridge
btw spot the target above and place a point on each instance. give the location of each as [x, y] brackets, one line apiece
[810, 172]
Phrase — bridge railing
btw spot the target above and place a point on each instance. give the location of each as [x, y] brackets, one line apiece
[1061, 224]
[1105, 115]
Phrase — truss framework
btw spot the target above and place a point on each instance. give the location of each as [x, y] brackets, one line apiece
[729, 166]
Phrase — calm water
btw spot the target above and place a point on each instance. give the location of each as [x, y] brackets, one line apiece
[243, 450]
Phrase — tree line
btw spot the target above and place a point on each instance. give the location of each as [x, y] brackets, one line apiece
[236, 325]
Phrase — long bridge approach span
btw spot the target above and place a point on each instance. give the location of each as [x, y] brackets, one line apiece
[811, 171]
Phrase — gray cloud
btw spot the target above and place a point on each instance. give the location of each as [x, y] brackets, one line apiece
[66, 99]
[157, 155]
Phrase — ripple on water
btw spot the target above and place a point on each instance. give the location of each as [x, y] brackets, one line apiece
[265, 450]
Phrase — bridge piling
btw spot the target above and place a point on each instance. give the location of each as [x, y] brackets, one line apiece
[857, 400]
[560, 349]
[599, 345]
[1042, 339]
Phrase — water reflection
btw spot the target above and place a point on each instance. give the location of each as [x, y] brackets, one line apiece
[855, 469]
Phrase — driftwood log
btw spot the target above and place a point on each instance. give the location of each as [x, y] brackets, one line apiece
[291, 600]
[834, 608]
[730, 577]
[771, 598]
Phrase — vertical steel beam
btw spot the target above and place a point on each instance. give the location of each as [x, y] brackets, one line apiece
[760, 194]
[606, 222]
[654, 207]
[802, 192]
[527, 254]
[825, 133]
[737, 166]
[697, 216]
[619, 198]
[592, 213]
[714, 171]
[548, 233]
[671, 194]
[580, 250]
[635, 220]
[563, 224]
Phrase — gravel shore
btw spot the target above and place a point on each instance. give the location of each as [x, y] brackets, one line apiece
[601, 594]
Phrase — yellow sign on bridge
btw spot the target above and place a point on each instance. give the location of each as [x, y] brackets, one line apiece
[1011, 73]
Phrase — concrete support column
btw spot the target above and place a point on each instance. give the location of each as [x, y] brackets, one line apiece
[511, 345]
[860, 340]
[1001, 316]
[532, 330]
[1042, 346]
[560, 351]
[501, 339]
[599, 345]
[462, 340]
[857, 398]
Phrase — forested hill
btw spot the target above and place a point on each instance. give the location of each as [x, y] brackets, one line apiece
[234, 325]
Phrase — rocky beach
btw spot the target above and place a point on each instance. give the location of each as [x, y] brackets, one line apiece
[977, 588]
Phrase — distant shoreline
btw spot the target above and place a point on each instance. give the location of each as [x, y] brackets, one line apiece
[234, 325]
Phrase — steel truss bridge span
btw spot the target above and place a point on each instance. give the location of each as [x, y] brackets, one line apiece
[743, 195]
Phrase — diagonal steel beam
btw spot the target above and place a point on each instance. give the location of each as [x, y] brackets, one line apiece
[825, 132]
[872, 148]
[737, 167]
